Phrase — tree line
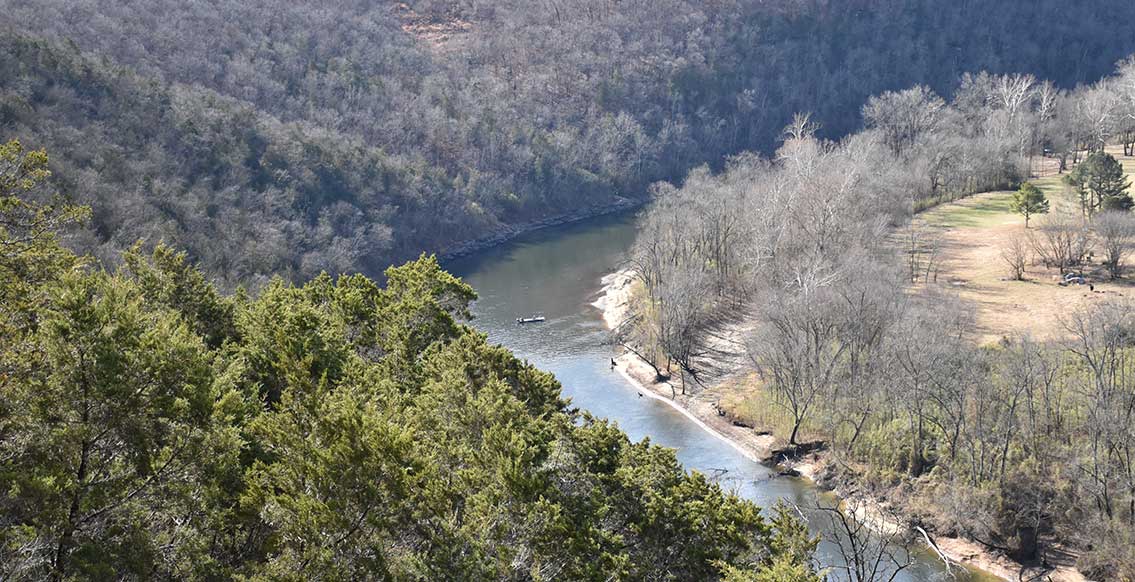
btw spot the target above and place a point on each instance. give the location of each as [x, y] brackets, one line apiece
[350, 138]
[1018, 445]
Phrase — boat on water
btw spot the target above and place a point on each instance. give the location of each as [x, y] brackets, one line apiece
[532, 319]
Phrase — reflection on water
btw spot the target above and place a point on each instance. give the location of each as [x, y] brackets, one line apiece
[556, 272]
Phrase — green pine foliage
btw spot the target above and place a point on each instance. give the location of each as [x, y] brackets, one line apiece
[1100, 183]
[1029, 201]
[154, 428]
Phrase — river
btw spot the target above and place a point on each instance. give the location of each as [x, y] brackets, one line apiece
[557, 272]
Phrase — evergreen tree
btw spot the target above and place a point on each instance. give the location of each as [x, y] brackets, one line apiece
[1100, 183]
[1029, 200]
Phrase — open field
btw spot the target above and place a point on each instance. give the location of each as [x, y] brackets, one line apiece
[969, 236]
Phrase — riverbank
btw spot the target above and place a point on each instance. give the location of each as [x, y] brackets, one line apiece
[510, 231]
[704, 410]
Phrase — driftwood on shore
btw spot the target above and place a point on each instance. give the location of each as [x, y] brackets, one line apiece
[791, 452]
[941, 555]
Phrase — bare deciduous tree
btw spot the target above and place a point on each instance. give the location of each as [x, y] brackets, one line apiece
[1115, 232]
[1062, 242]
[904, 117]
[1100, 337]
[871, 545]
[1016, 253]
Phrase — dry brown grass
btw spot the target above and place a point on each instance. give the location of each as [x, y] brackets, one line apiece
[971, 234]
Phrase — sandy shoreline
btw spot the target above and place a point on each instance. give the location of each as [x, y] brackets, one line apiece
[702, 409]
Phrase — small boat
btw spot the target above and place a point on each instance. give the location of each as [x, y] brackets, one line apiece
[533, 319]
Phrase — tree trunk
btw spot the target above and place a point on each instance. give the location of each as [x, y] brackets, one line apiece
[917, 462]
[1028, 548]
[858, 430]
[67, 538]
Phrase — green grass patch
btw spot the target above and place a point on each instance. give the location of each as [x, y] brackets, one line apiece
[979, 210]
[993, 208]
[1060, 196]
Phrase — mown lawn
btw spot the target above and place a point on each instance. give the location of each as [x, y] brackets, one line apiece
[978, 211]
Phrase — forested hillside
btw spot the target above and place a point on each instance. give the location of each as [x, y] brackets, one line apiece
[290, 137]
[154, 428]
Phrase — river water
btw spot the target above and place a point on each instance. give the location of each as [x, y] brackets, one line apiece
[557, 272]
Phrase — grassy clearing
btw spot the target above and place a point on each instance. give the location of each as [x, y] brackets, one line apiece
[993, 208]
[979, 211]
[971, 234]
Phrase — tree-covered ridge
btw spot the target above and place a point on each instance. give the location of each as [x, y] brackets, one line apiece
[348, 138]
[250, 195]
[151, 427]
